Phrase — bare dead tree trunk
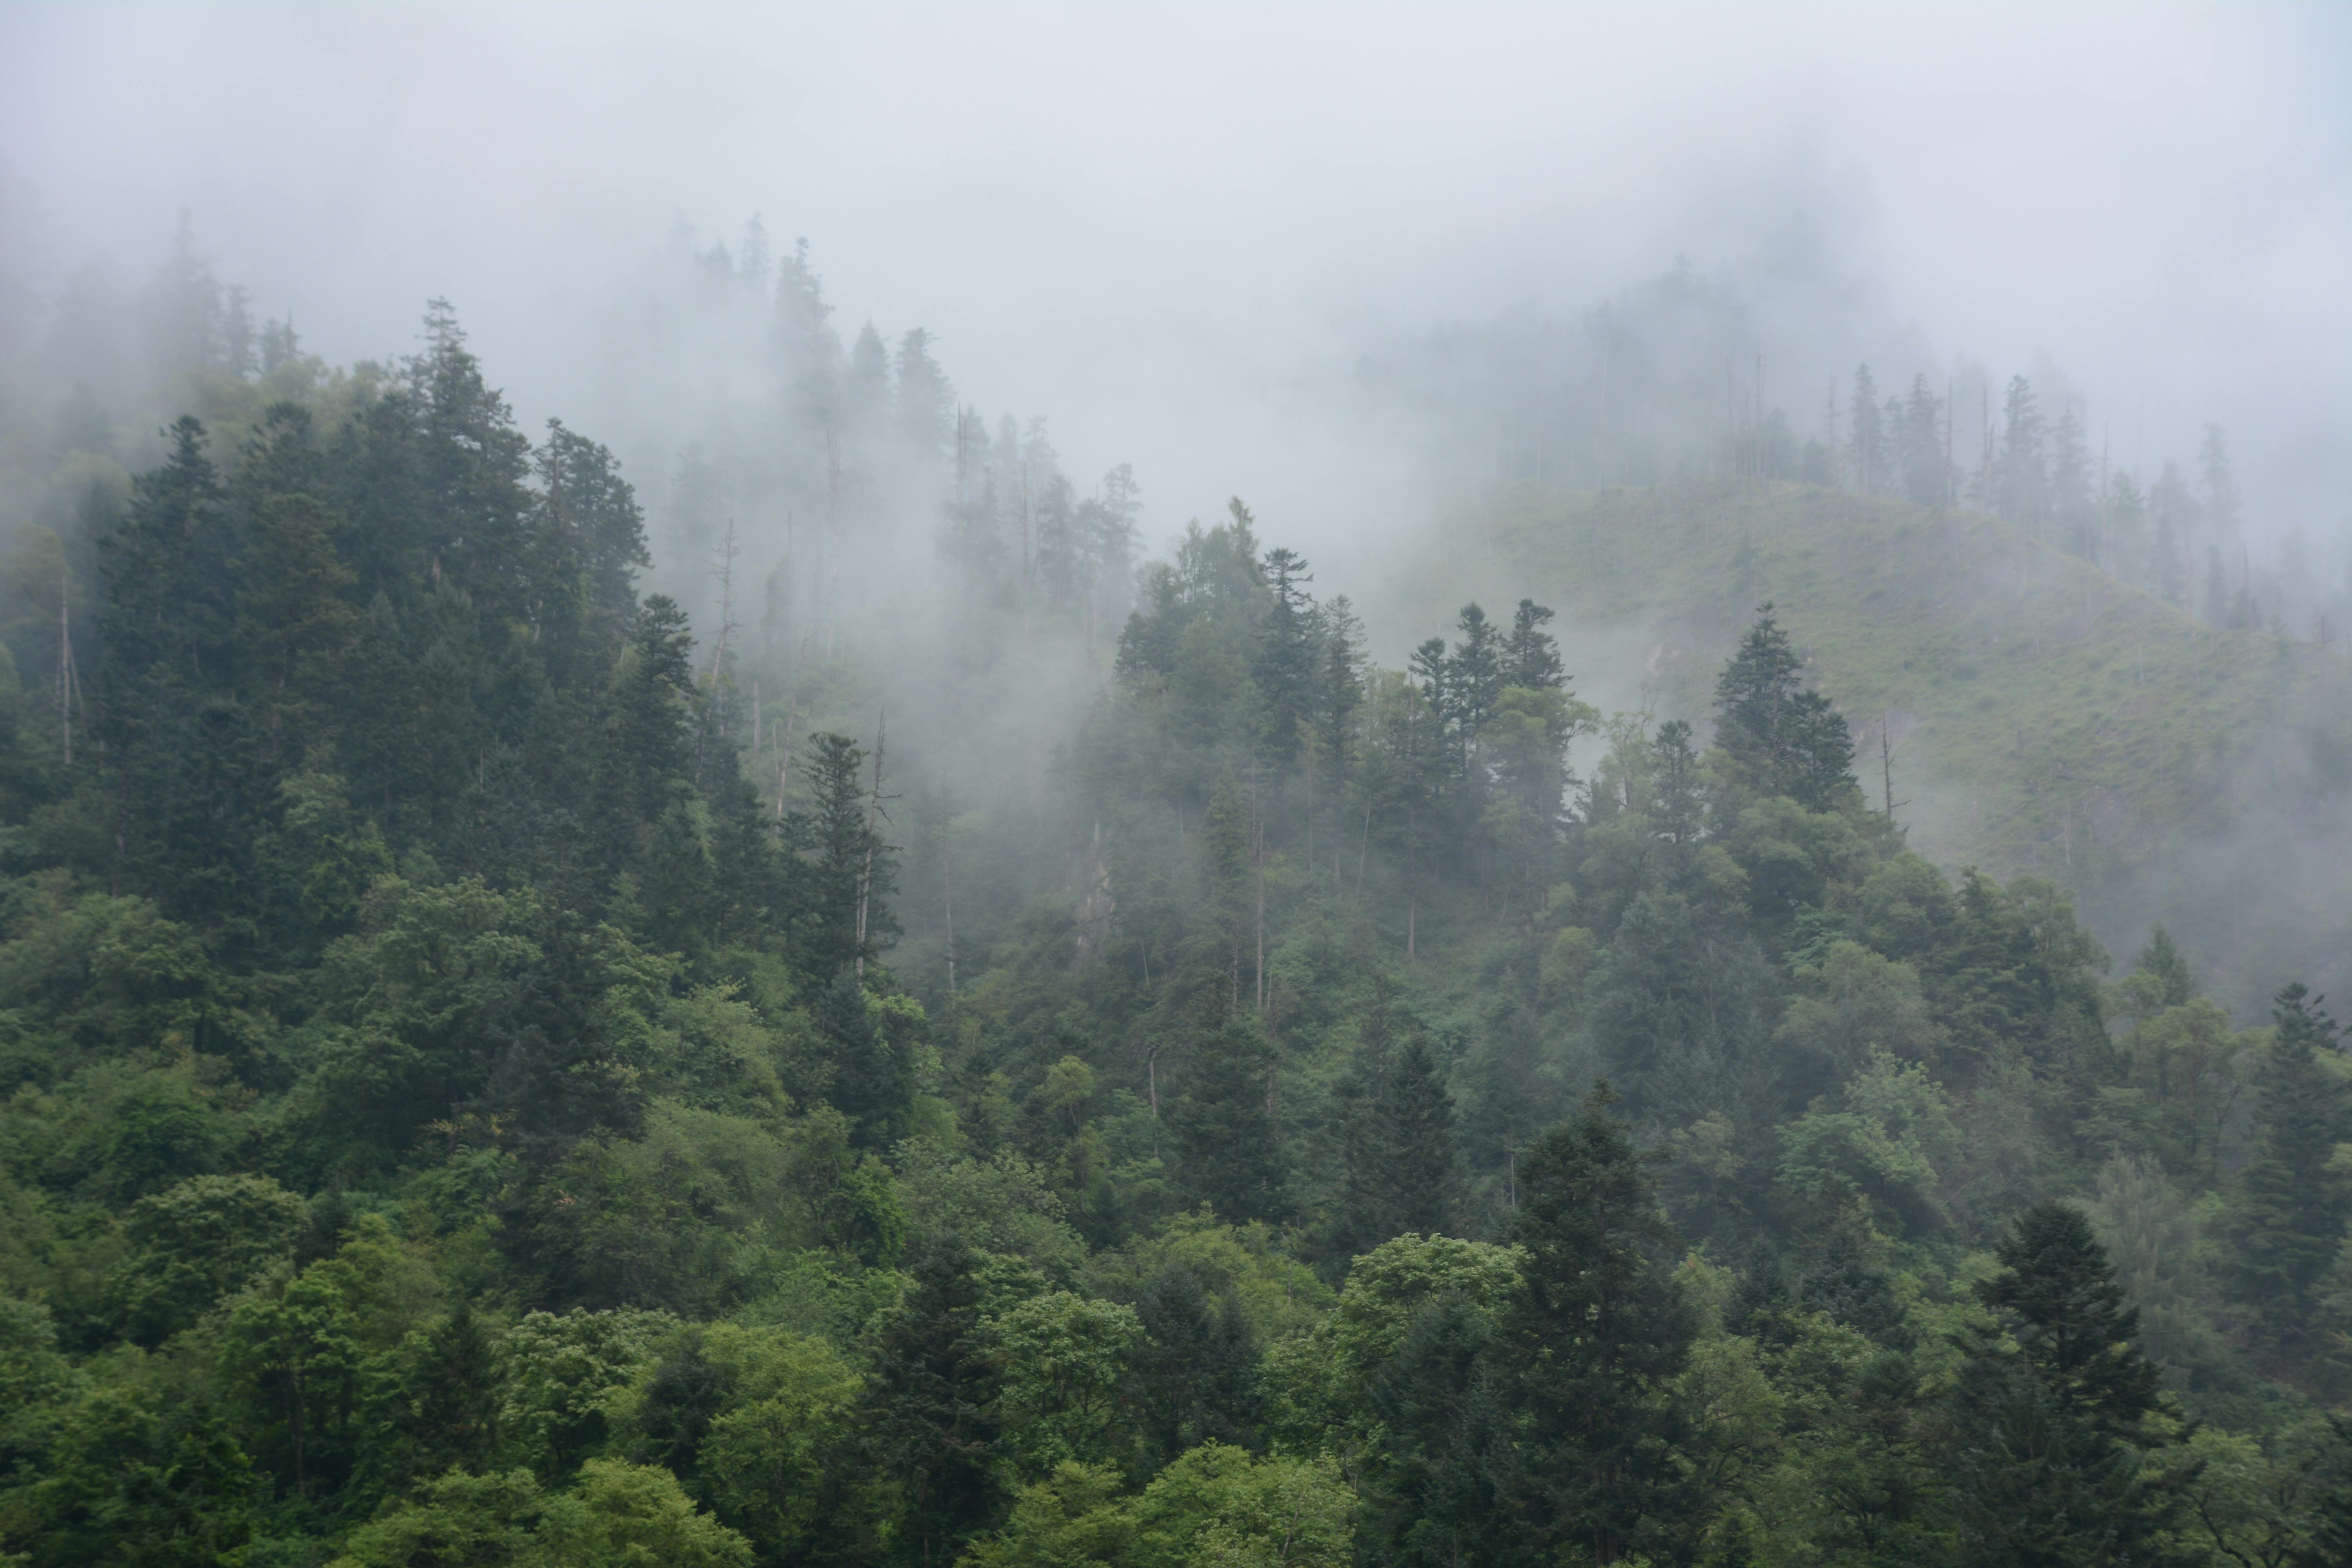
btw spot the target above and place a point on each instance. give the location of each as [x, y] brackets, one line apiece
[873, 815]
[947, 882]
[64, 660]
[831, 535]
[1258, 863]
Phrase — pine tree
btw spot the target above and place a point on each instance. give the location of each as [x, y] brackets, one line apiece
[1225, 1131]
[1285, 670]
[2075, 516]
[1781, 738]
[2024, 478]
[1588, 1353]
[932, 1409]
[2162, 960]
[2052, 1431]
[2290, 1207]
[1402, 1173]
[1843, 1286]
[1474, 678]
[1196, 1373]
[1531, 655]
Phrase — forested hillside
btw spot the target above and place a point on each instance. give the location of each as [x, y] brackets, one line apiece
[2034, 712]
[494, 1078]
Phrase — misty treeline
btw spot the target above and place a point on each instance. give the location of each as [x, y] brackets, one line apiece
[1671, 380]
[493, 1078]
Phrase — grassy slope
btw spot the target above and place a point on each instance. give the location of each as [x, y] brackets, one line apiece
[2045, 716]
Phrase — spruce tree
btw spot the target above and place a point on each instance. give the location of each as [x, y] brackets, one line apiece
[933, 1411]
[1781, 738]
[2161, 960]
[2289, 1210]
[2054, 1408]
[1531, 655]
[1400, 1158]
[1225, 1132]
[1285, 670]
[1195, 1376]
[1844, 1286]
[1588, 1353]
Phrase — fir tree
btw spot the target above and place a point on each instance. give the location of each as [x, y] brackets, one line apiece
[1225, 1131]
[2052, 1431]
[1401, 1166]
[2162, 961]
[1589, 1352]
[1285, 670]
[1782, 739]
[1531, 655]
[932, 1409]
[2290, 1207]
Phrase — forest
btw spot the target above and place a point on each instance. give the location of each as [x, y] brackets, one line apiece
[1035, 1058]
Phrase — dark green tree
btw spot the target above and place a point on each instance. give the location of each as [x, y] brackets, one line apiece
[1284, 668]
[2162, 960]
[1230, 1145]
[2288, 1216]
[2054, 1409]
[1587, 1355]
[1530, 653]
[1781, 738]
[1403, 1171]
[1195, 1376]
[932, 1409]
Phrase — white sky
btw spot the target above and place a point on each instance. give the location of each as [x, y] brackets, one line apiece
[1156, 224]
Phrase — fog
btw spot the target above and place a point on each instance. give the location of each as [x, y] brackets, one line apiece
[1177, 230]
[1339, 261]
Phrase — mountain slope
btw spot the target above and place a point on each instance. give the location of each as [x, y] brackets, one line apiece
[2041, 715]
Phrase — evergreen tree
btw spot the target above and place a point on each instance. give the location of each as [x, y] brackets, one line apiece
[1432, 1486]
[1781, 738]
[1339, 691]
[1589, 1352]
[1195, 1376]
[2162, 961]
[1926, 473]
[932, 1409]
[1845, 1288]
[1531, 655]
[1400, 1156]
[2291, 1202]
[1867, 458]
[2073, 512]
[2218, 484]
[1285, 668]
[925, 402]
[2052, 1431]
[1226, 1130]
[2022, 480]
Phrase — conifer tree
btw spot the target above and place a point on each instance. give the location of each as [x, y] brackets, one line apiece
[1402, 1165]
[1589, 1352]
[1195, 1374]
[2162, 961]
[2052, 1431]
[1782, 739]
[1226, 1130]
[2291, 1202]
[1531, 655]
[1285, 670]
[932, 1409]
[1866, 445]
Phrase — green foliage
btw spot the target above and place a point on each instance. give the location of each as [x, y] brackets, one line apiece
[485, 1081]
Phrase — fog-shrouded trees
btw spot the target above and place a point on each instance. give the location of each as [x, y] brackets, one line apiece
[485, 1079]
